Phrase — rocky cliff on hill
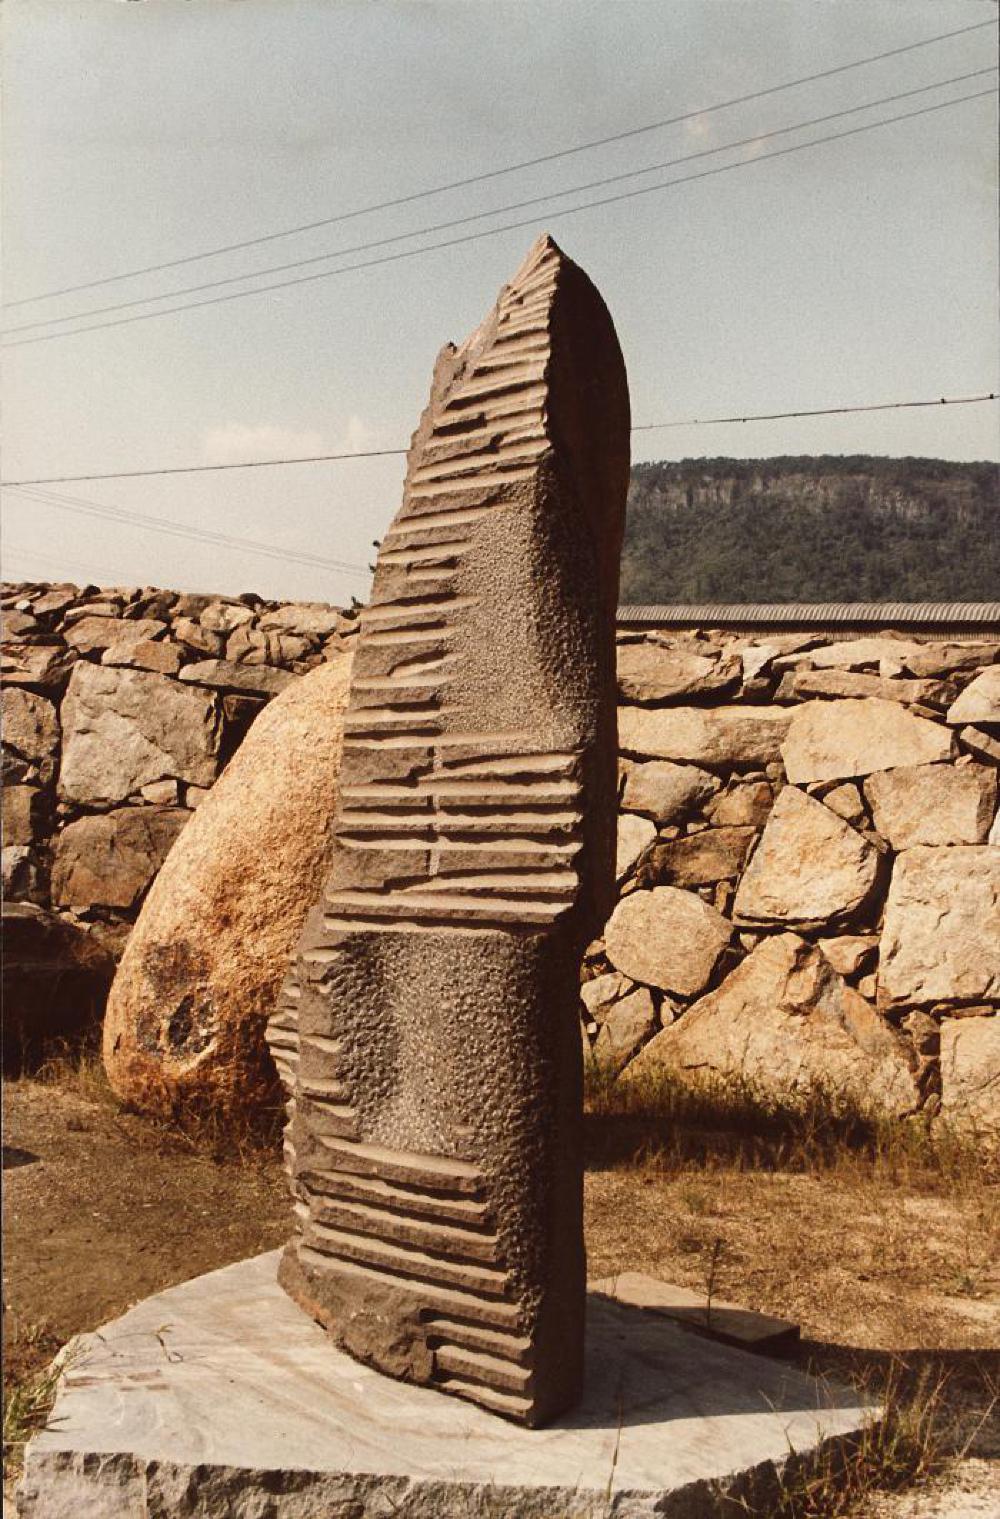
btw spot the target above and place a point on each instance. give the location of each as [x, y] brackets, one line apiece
[855, 528]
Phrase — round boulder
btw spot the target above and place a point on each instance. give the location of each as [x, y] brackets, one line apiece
[184, 1027]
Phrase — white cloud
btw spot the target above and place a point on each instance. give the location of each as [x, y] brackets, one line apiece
[357, 435]
[235, 441]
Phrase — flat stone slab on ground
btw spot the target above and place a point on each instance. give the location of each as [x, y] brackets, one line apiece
[221, 1396]
[726, 1322]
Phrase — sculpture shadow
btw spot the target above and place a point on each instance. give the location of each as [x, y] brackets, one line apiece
[642, 1368]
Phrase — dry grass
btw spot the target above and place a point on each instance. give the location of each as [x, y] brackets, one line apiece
[918, 1440]
[246, 1136]
[660, 1121]
[881, 1238]
[28, 1395]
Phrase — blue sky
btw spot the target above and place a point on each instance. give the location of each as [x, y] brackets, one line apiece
[863, 270]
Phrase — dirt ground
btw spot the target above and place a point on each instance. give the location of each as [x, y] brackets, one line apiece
[102, 1209]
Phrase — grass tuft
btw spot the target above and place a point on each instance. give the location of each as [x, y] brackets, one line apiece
[28, 1399]
[918, 1438]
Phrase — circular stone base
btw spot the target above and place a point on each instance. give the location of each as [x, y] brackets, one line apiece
[220, 1397]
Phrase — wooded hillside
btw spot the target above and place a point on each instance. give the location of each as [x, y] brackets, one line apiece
[851, 528]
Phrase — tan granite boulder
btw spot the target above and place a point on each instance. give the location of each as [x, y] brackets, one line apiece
[855, 653]
[848, 953]
[796, 685]
[93, 633]
[701, 859]
[941, 936]
[786, 1023]
[836, 741]
[933, 804]
[634, 835]
[35, 664]
[601, 992]
[30, 728]
[161, 657]
[810, 867]
[944, 658]
[743, 806]
[970, 1075]
[625, 1028]
[186, 1015]
[225, 675]
[667, 938]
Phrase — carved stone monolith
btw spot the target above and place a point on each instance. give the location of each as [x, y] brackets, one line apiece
[428, 1031]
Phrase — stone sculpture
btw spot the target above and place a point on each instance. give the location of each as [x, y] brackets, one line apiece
[428, 1031]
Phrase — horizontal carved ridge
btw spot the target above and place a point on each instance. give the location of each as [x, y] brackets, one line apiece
[437, 1297]
[499, 1402]
[451, 1241]
[438, 1173]
[494, 1372]
[398, 1198]
[407, 1261]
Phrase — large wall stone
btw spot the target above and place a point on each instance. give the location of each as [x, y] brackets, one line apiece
[836, 741]
[810, 867]
[970, 1076]
[786, 1023]
[202, 968]
[933, 804]
[123, 728]
[111, 858]
[667, 938]
[30, 730]
[941, 940]
[711, 736]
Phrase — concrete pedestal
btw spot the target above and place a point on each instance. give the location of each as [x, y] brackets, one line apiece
[221, 1398]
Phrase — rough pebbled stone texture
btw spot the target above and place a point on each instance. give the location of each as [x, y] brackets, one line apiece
[206, 958]
[429, 1029]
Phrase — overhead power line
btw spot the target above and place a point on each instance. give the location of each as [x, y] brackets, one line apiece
[489, 174]
[607, 200]
[475, 216]
[153, 524]
[822, 411]
[383, 453]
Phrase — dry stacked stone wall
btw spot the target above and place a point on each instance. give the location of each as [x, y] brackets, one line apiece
[809, 870]
[120, 709]
[809, 852]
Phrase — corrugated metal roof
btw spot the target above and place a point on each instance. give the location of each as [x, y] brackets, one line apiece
[938, 615]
